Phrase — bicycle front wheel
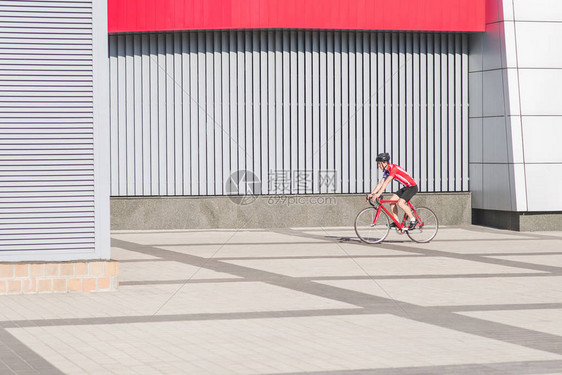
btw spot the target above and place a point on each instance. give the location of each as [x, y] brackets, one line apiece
[369, 228]
[427, 226]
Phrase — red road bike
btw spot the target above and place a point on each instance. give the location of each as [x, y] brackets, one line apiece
[372, 224]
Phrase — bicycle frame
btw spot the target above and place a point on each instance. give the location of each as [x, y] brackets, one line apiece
[399, 225]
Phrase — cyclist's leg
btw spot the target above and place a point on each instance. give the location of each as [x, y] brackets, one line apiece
[405, 197]
[393, 207]
[402, 204]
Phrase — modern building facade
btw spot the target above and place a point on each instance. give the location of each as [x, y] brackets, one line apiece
[171, 107]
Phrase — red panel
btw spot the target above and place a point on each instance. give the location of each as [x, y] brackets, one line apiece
[422, 15]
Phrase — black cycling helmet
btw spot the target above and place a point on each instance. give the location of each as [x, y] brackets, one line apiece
[383, 157]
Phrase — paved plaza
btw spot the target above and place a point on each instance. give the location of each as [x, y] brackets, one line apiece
[295, 301]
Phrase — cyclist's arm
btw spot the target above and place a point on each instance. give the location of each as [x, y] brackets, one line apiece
[381, 186]
[377, 187]
[385, 183]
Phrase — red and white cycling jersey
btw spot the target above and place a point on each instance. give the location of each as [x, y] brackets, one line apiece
[399, 174]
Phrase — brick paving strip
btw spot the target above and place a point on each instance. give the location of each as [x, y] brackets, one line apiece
[17, 358]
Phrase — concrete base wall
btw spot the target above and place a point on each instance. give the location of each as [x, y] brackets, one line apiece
[519, 221]
[143, 213]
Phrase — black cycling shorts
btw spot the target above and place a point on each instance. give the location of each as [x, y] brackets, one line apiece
[407, 192]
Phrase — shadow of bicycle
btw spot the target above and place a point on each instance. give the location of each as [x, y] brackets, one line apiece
[357, 241]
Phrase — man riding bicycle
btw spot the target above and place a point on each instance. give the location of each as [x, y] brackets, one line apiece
[403, 195]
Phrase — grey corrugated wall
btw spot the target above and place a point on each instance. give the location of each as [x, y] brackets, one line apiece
[46, 127]
[190, 108]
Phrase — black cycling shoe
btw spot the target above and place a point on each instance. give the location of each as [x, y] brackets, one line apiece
[393, 225]
[413, 224]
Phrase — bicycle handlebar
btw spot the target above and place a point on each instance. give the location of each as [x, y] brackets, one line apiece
[377, 202]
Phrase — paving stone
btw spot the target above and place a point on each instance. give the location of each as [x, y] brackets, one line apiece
[295, 301]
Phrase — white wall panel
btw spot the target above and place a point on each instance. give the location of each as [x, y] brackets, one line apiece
[191, 108]
[541, 139]
[541, 91]
[543, 195]
[475, 94]
[536, 10]
[494, 140]
[509, 50]
[505, 9]
[476, 140]
[492, 93]
[538, 44]
[518, 186]
[515, 135]
[512, 99]
[496, 192]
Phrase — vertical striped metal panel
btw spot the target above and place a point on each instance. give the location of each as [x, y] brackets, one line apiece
[191, 108]
[46, 126]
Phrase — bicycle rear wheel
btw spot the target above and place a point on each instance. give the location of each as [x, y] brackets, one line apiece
[427, 226]
[368, 230]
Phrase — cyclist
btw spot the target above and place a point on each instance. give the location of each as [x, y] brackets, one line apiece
[403, 195]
